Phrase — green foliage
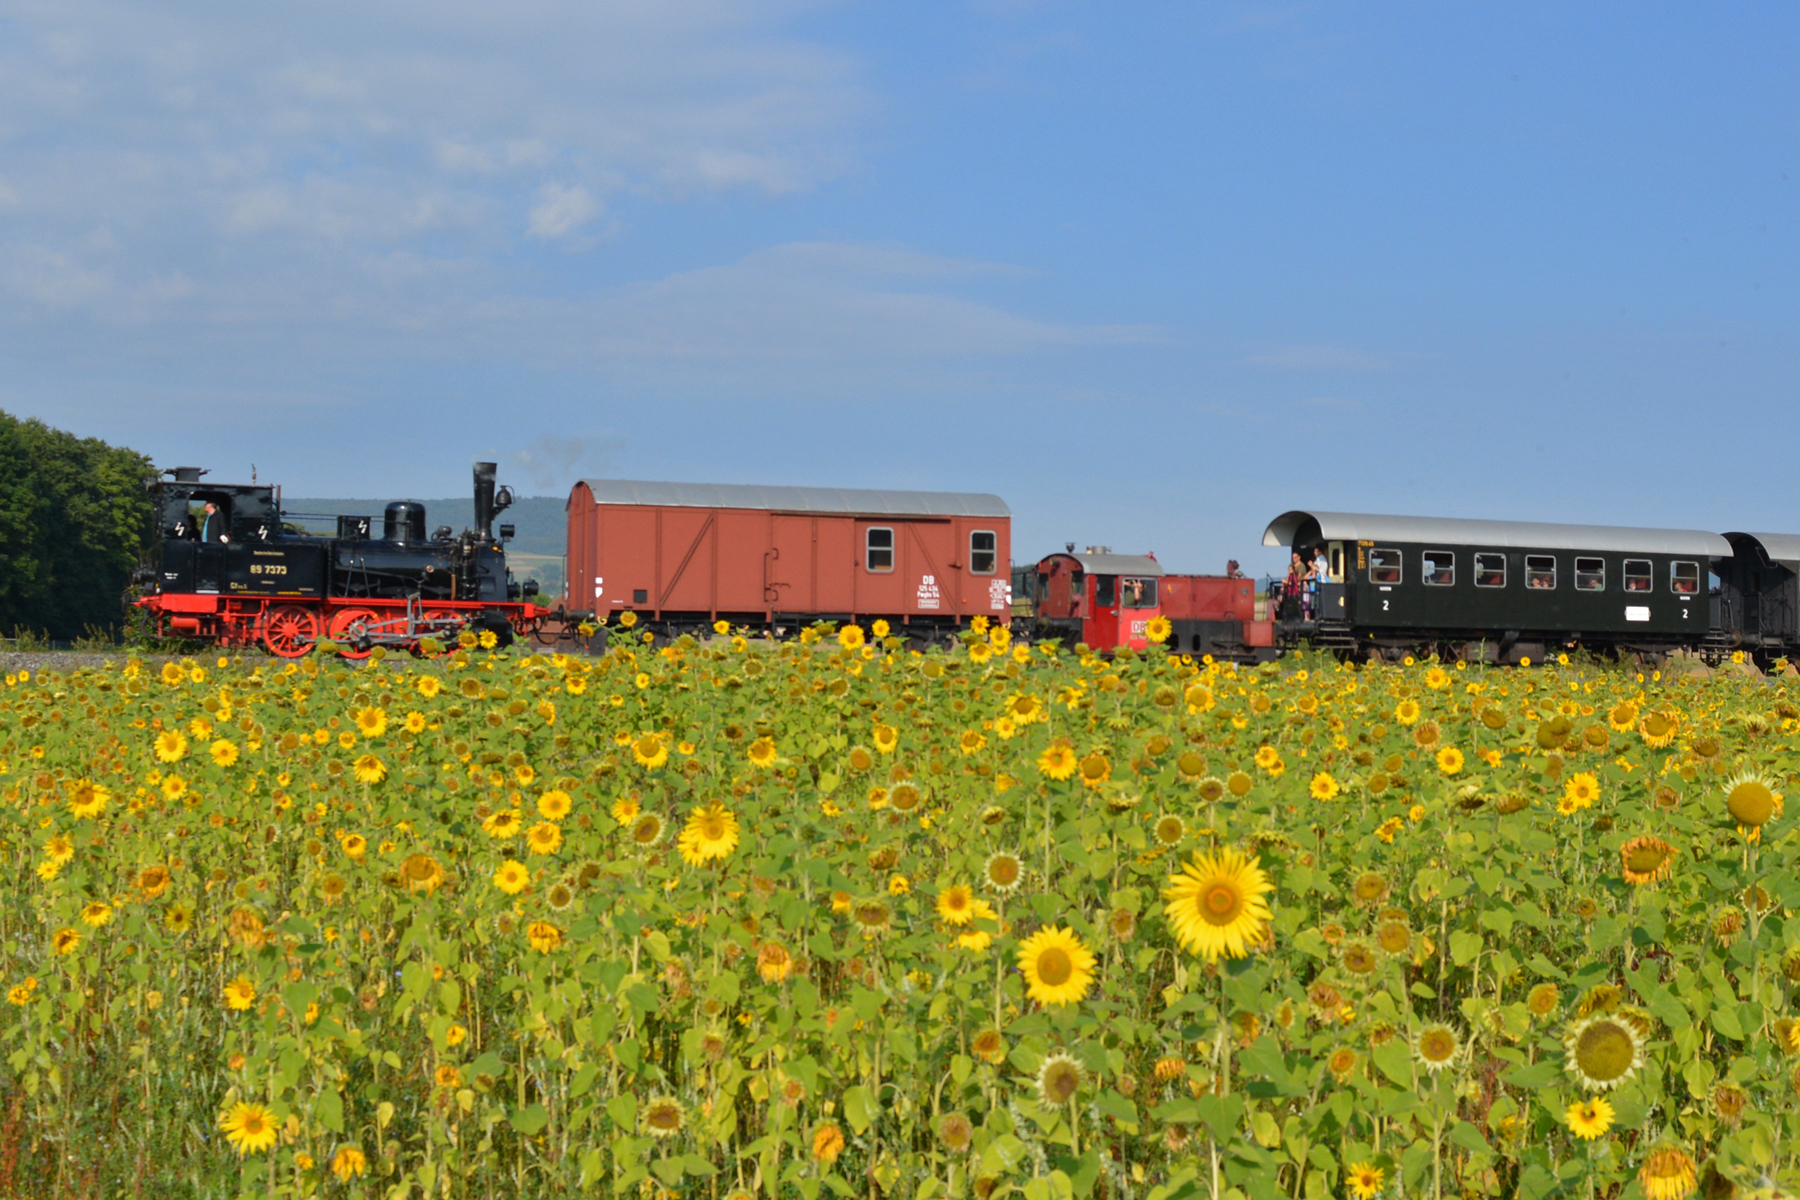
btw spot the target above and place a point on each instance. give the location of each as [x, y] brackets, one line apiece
[74, 516]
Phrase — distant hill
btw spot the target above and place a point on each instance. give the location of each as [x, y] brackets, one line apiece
[536, 551]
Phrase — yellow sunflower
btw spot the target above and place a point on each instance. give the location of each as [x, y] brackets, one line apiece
[1589, 1119]
[1658, 729]
[1752, 802]
[1364, 1180]
[544, 838]
[1668, 1174]
[1323, 787]
[512, 877]
[711, 832]
[850, 637]
[1158, 629]
[250, 1128]
[171, 746]
[762, 751]
[1450, 760]
[956, 904]
[88, 799]
[240, 994]
[370, 769]
[554, 804]
[886, 737]
[650, 751]
[1407, 712]
[543, 936]
[1058, 968]
[1058, 761]
[1216, 904]
[1096, 769]
[1646, 859]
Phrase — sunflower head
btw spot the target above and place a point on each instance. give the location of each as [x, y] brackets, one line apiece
[1752, 801]
[1646, 859]
[1216, 904]
[1058, 1079]
[1603, 1051]
[1436, 1046]
[1058, 969]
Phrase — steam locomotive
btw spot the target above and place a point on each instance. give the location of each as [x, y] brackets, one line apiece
[227, 567]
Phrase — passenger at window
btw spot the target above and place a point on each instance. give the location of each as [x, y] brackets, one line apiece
[1537, 580]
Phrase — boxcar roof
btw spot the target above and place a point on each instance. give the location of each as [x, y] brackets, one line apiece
[796, 499]
[1112, 564]
[1780, 547]
[1450, 531]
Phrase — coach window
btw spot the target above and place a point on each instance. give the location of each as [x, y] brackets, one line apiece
[1384, 566]
[981, 552]
[1540, 571]
[1637, 574]
[1490, 570]
[880, 549]
[1684, 578]
[1440, 569]
[1590, 574]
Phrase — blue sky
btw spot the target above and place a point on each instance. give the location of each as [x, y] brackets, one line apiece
[1153, 273]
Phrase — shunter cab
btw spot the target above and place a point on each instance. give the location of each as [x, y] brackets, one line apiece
[1104, 599]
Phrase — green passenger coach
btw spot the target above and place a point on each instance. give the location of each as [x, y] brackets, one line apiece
[1499, 590]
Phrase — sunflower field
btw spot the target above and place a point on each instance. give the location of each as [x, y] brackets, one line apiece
[733, 918]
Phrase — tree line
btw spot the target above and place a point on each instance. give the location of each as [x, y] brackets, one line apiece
[74, 520]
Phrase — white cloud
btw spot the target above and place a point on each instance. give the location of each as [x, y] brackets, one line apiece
[562, 210]
[52, 278]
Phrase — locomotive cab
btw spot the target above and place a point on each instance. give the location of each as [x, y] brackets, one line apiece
[1104, 599]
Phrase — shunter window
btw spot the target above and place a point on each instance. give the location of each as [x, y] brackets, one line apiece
[1138, 593]
[1637, 574]
[1440, 569]
[1684, 578]
[1384, 566]
[1540, 571]
[981, 552]
[1105, 590]
[880, 549]
[1590, 574]
[1490, 570]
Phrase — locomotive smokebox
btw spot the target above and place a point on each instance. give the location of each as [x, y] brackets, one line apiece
[484, 498]
[404, 523]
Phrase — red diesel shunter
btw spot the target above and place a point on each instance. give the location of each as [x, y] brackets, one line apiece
[1103, 599]
[684, 555]
[1216, 615]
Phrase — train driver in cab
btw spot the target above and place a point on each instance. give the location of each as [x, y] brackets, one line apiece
[212, 525]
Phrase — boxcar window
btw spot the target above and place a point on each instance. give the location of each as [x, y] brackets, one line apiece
[1684, 578]
[880, 549]
[1590, 574]
[981, 552]
[1637, 574]
[1440, 568]
[1490, 570]
[1540, 570]
[1384, 566]
[1106, 589]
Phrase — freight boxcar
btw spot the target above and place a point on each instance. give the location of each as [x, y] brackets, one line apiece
[684, 555]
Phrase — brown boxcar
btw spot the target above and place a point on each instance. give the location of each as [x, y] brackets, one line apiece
[684, 555]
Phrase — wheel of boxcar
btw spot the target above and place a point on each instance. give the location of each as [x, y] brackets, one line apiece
[347, 626]
[289, 631]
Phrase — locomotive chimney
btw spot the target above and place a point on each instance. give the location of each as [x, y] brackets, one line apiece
[484, 498]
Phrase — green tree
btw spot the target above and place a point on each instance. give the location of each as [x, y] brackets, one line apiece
[74, 519]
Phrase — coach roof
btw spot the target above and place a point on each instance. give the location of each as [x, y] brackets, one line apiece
[1779, 547]
[1530, 535]
[860, 501]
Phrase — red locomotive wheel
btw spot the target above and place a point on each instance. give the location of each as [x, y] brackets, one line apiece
[290, 631]
[347, 624]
